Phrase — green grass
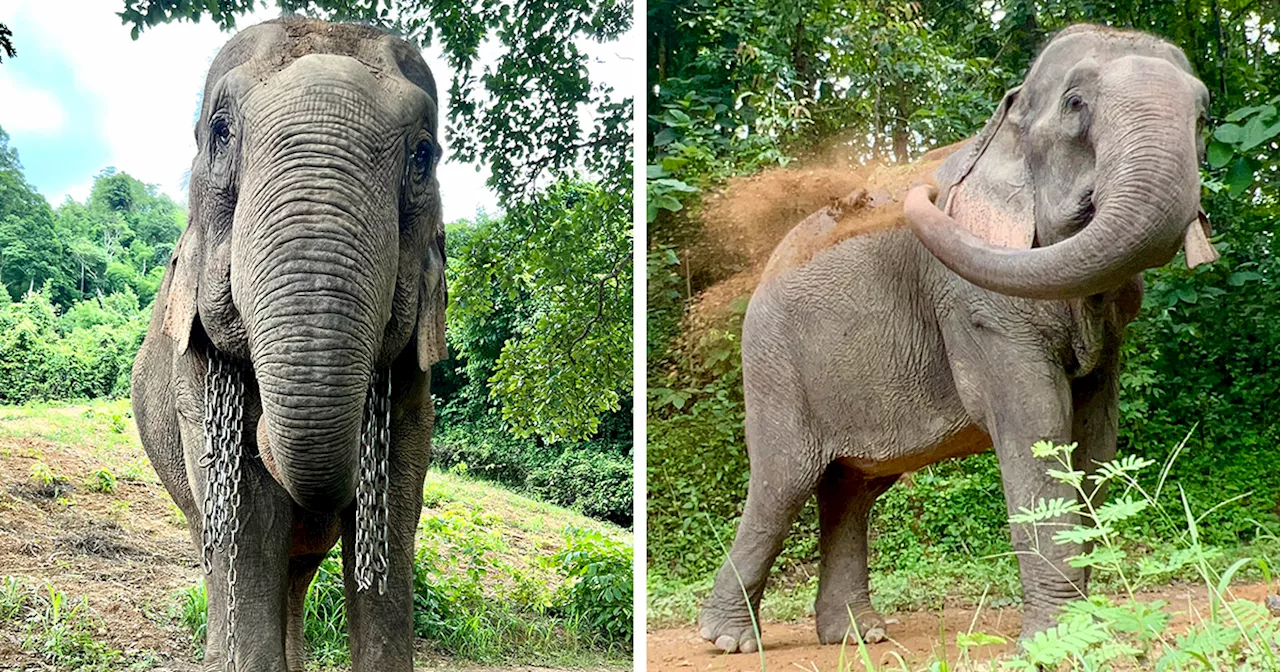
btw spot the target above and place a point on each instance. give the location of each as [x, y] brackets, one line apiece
[501, 578]
[103, 430]
[485, 589]
[924, 585]
[63, 632]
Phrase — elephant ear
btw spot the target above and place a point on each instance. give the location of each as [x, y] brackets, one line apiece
[987, 189]
[433, 296]
[183, 275]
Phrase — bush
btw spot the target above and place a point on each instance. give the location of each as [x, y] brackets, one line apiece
[591, 481]
[598, 593]
[592, 477]
[86, 353]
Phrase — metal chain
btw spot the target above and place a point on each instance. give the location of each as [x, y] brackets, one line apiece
[223, 425]
[371, 488]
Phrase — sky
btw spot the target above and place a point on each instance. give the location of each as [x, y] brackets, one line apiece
[81, 96]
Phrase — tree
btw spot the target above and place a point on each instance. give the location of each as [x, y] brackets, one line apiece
[568, 358]
[6, 42]
[30, 252]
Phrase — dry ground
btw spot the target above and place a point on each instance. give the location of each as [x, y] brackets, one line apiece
[127, 552]
[918, 637]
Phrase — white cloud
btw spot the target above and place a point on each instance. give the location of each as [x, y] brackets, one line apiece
[78, 192]
[29, 109]
[144, 93]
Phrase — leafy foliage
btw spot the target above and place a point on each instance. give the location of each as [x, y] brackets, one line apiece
[598, 593]
[6, 42]
[84, 353]
[566, 282]
[62, 631]
[511, 338]
[1099, 633]
[475, 597]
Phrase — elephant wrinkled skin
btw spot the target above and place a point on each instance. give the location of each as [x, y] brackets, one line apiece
[995, 320]
[314, 256]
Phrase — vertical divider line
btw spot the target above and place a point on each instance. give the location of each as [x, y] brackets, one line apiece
[639, 238]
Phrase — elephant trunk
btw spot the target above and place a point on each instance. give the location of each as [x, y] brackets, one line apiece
[319, 252]
[1146, 194]
[314, 337]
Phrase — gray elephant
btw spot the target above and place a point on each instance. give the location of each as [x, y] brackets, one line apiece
[282, 391]
[998, 323]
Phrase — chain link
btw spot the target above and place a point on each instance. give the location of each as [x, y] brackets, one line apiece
[371, 488]
[223, 425]
[221, 461]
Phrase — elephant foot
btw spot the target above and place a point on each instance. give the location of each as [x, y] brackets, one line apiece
[834, 624]
[730, 630]
[1035, 621]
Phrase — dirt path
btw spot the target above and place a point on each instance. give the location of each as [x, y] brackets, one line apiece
[917, 636]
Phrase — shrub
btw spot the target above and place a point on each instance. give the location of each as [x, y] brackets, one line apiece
[593, 477]
[591, 481]
[598, 592]
[86, 353]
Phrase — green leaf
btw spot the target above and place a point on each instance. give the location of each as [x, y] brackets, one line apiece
[1121, 509]
[1100, 556]
[653, 172]
[668, 202]
[1228, 133]
[967, 640]
[1239, 177]
[1238, 278]
[1244, 112]
[672, 163]
[1081, 534]
[665, 137]
[1257, 132]
[1219, 154]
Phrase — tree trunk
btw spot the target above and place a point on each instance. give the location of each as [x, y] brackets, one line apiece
[900, 131]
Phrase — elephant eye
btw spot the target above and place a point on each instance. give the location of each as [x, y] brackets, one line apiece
[1073, 102]
[220, 130]
[424, 158]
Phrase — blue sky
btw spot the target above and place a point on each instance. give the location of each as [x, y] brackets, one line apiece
[81, 96]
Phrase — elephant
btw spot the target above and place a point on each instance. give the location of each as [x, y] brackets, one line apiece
[282, 390]
[990, 318]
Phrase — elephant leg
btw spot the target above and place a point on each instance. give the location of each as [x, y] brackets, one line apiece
[785, 467]
[261, 579]
[1012, 385]
[1026, 409]
[1094, 427]
[380, 626]
[302, 570]
[845, 498]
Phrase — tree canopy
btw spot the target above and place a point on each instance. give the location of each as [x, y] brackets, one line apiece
[121, 237]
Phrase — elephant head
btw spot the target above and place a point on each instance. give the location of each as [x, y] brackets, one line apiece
[315, 249]
[1086, 175]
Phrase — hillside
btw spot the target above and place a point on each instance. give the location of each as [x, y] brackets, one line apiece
[97, 570]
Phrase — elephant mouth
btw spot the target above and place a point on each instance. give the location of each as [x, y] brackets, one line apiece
[1084, 211]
